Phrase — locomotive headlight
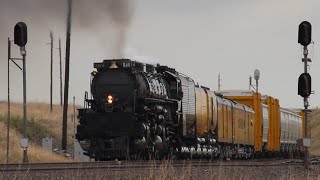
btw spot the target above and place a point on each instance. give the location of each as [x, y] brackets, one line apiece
[109, 103]
[94, 72]
[110, 99]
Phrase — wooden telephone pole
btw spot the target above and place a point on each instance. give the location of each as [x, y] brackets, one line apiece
[66, 79]
[60, 72]
[51, 67]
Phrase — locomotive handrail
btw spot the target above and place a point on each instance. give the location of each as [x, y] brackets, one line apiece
[85, 103]
[91, 78]
[163, 100]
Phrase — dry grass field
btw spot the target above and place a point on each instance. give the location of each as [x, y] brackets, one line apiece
[40, 113]
[315, 132]
[167, 171]
[43, 123]
[35, 152]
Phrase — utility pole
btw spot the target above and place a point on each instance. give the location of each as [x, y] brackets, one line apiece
[74, 125]
[304, 85]
[60, 72]
[219, 82]
[66, 81]
[9, 115]
[51, 67]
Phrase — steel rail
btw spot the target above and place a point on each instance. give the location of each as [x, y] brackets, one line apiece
[116, 166]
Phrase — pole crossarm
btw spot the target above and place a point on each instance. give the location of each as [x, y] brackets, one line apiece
[17, 64]
[306, 60]
[16, 59]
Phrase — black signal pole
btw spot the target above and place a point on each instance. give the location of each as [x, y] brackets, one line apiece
[304, 85]
[21, 39]
[305, 60]
[66, 81]
[25, 140]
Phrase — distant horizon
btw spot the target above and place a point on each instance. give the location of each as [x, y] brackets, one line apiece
[81, 104]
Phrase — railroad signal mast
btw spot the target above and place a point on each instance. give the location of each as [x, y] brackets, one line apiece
[21, 39]
[304, 83]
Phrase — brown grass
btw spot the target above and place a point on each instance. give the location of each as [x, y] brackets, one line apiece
[40, 112]
[167, 171]
[315, 132]
[35, 153]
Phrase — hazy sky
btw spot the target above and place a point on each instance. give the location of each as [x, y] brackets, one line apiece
[199, 38]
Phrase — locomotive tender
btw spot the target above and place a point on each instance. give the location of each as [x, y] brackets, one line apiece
[140, 110]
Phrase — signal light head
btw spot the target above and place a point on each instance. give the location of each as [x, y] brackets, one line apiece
[20, 34]
[304, 85]
[304, 37]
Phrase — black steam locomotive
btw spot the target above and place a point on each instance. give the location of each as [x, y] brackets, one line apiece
[134, 111]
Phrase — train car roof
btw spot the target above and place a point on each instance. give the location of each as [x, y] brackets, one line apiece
[235, 92]
[287, 111]
[235, 104]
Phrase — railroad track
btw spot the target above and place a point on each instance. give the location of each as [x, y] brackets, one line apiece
[315, 160]
[125, 165]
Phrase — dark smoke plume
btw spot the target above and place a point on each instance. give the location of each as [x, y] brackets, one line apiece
[107, 20]
[121, 13]
[110, 17]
